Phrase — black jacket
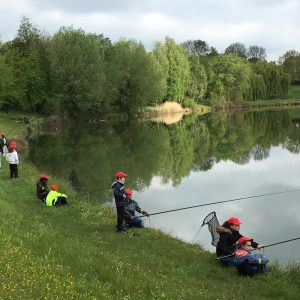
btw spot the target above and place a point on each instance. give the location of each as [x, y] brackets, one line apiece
[42, 190]
[130, 208]
[119, 193]
[227, 241]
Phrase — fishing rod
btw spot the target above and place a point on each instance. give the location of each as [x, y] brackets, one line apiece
[21, 122]
[270, 245]
[87, 193]
[224, 201]
[286, 241]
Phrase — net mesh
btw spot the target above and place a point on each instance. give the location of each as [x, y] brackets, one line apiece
[212, 222]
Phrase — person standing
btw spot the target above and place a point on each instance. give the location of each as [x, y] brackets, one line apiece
[3, 147]
[120, 199]
[13, 160]
[42, 188]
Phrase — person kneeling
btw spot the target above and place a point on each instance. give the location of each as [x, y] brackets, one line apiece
[248, 263]
[54, 198]
[130, 209]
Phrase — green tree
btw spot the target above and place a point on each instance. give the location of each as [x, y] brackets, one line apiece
[237, 49]
[28, 58]
[77, 67]
[136, 77]
[229, 77]
[174, 61]
[290, 62]
[256, 53]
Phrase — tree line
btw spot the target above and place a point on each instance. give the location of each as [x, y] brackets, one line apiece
[74, 73]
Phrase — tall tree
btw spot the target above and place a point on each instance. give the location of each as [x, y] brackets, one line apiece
[29, 59]
[196, 47]
[174, 61]
[256, 53]
[237, 49]
[290, 61]
[77, 65]
[137, 77]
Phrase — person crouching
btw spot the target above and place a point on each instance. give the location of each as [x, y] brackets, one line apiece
[130, 209]
[54, 198]
[42, 188]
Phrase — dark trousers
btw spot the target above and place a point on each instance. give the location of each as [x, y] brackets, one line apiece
[61, 201]
[13, 171]
[120, 218]
[136, 222]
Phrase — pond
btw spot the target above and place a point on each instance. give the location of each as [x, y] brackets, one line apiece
[199, 160]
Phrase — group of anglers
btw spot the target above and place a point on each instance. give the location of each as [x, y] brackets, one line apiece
[232, 247]
[49, 196]
[9, 151]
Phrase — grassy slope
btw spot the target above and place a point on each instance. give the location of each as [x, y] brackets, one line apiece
[74, 253]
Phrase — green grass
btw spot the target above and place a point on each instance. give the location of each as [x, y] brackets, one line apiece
[73, 252]
[294, 92]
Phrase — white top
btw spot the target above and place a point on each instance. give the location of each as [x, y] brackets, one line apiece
[12, 157]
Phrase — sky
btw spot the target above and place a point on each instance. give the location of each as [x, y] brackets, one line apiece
[272, 24]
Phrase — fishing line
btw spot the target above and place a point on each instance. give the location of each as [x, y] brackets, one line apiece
[270, 245]
[224, 201]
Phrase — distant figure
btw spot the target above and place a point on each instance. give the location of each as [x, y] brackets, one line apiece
[130, 209]
[229, 235]
[120, 199]
[42, 188]
[13, 160]
[26, 121]
[54, 198]
[248, 263]
[3, 146]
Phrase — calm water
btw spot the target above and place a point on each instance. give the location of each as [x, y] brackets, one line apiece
[199, 160]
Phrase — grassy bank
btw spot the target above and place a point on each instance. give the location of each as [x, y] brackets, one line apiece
[73, 252]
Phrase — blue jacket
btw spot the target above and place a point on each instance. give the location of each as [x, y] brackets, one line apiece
[252, 258]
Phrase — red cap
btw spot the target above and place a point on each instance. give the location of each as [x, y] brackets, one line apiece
[54, 187]
[12, 144]
[128, 192]
[243, 239]
[2, 134]
[234, 221]
[120, 175]
[44, 176]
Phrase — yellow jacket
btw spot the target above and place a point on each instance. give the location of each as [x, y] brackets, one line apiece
[52, 197]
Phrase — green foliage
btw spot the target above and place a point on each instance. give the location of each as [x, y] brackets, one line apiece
[291, 64]
[27, 56]
[136, 77]
[268, 81]
[198, 81]
[175, 64]
[77, 67]
[228, 78]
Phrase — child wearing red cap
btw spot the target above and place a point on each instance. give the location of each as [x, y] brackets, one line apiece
[13, 160]
[120, 199]
[54, 198]
[229, 235]
[248, 263]
[42, 188]
[130, 209]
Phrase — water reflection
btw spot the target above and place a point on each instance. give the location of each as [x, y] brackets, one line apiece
[201, 159]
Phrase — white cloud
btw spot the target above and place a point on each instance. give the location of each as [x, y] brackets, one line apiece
[274, 25]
